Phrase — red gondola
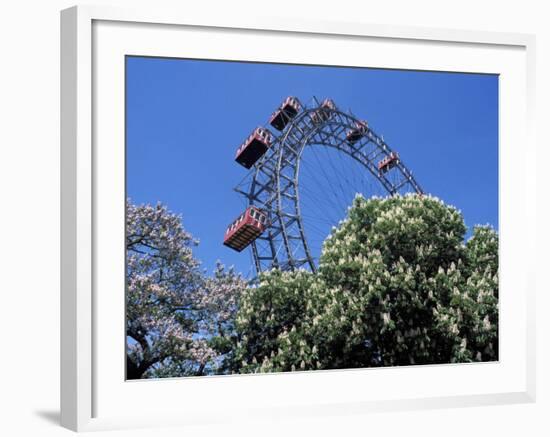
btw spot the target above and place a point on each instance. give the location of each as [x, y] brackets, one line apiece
[388, 162]
[245, 229]
[286, 112]
[254, 147]
[354, 134]
[323, 113]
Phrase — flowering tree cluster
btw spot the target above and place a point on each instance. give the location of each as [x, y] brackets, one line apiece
[396, 285]
[179, 322]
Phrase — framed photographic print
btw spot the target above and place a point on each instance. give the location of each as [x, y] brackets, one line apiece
[283, 219]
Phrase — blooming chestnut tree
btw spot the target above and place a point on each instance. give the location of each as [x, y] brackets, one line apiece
[179, 322]
[397, 285]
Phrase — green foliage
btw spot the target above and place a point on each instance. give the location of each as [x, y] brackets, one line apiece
[269, 318]
[396, 286]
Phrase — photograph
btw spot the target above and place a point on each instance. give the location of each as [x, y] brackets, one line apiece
[294, 217]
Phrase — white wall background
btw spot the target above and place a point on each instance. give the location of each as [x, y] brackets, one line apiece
[29, 214]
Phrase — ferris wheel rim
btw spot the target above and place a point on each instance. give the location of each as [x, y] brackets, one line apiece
[286, 144]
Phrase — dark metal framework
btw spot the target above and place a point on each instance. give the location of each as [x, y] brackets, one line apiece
[273, 183]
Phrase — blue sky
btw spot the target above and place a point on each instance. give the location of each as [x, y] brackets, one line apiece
[186, 118]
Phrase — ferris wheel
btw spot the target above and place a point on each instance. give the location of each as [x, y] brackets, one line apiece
[303, 176]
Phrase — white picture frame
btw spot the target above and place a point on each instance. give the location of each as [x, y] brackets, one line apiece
[93, 40]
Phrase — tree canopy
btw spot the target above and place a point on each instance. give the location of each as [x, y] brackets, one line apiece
[179, 321]
[396, 285]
